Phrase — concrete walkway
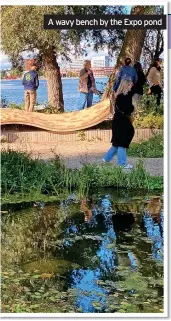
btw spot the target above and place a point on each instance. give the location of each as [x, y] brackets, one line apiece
[75, 154]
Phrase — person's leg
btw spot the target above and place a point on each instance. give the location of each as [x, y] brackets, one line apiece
[27, 100]
[89, 99]
[32, 99]
[158, 96]
[156, 91]
[110, 154]
[81, 101]
[121, 156]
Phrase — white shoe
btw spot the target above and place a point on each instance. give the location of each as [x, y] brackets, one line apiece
[128, 166]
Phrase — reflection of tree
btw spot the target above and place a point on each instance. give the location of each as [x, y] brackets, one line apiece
[85, 281]
[88, 281]
[154, 233]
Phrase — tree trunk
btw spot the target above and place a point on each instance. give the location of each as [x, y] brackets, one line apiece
[54, 83]
[132, 48]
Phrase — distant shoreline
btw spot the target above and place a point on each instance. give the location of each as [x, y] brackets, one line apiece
[6, 79]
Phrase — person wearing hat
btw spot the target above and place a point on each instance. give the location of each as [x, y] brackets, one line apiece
[31, 84]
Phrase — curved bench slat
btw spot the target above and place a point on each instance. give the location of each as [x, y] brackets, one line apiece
[65, 122]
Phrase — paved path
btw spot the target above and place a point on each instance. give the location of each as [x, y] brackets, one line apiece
[75, 154]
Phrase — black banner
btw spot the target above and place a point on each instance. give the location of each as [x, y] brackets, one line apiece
[104, 21]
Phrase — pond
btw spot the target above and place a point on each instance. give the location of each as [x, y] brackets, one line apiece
[95, 255]
[12, 91]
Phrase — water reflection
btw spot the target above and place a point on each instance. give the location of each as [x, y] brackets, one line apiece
[153, 222]
[100, 219]
[154, 233]
[89, 292]
[86, 280]
[133, 260]
[105, 238]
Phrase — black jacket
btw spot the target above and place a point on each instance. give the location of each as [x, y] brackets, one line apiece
[138, 89]
[122, 129]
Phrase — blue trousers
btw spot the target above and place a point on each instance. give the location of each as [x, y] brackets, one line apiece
[121, 153]
[85, 99]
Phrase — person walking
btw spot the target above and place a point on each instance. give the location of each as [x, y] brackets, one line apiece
[155, 80]
[87, 86]
[31, 84]
[138, 87]
[125, 72]
[122, 128]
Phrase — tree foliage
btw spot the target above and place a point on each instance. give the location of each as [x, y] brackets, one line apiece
[22, 30]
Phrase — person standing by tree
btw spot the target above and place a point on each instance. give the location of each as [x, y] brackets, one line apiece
[87, 86]
[155, 80]
[126, 72]
[31, 84]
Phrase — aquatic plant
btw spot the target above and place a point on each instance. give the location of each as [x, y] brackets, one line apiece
[26, 176]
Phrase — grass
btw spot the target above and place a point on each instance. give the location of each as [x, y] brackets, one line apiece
[22, 175]
[148, 149]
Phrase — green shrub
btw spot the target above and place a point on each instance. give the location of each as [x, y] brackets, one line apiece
[16, 106]
[152, 148]
[22, 174]
[149, 121]
[148, 103]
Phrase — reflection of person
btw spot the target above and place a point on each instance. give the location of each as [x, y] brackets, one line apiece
[87, 211]
[138, 87]
[154, 206]
[125, 72]
[87, 86]
[155, 80]
[122, 128]
[31, 83]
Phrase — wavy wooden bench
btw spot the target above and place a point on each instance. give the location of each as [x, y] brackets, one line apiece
[65, 122]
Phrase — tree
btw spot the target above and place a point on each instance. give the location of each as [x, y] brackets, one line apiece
[22, 30]
[153, 47]
[25, 33]
[154, 43]
[17, 62]
[132, 47]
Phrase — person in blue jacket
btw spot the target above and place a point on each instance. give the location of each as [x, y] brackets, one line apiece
[126, 72]
[31, 84]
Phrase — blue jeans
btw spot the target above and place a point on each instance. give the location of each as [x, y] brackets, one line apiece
[121, 152]
[85, 98]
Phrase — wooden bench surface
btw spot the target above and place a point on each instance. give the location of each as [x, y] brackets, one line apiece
[64, 122]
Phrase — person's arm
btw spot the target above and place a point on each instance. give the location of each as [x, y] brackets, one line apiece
[36, 81]
[84, 74]
[23, 81]
[135, 78]
[117, 81]
[150, 76]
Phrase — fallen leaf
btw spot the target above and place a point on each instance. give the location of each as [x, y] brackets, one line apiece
[46, 275]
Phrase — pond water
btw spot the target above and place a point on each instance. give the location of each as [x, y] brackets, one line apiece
[102, 254]
[12, 91]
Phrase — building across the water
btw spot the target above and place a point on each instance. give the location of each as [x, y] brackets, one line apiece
[96, 62]
[100, 66]
[100, 61]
